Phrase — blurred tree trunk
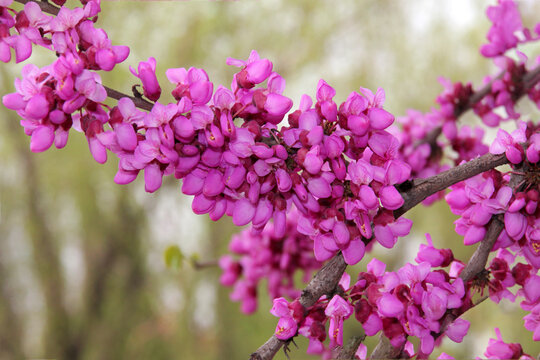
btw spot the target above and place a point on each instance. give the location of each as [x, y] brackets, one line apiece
[10, 336]
[46, 263]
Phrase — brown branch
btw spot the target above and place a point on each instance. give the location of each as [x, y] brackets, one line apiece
[385, 350]
[422, 188]
[139, 102]
[45, 6]
[324, 282]
[198, 265]
[478, 260]
[347, 352]
[529, 80]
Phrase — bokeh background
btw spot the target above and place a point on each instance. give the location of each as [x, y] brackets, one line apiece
[82, 271]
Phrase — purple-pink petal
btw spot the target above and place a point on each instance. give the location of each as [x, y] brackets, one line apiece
[42, 138]
[243, 212]
[389, 305]
[458, 329]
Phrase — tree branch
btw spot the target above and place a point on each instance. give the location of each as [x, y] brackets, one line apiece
[478, 260]
[385, 350]
[45, 6]
[324, 282]
[348, 351]
[529, 80]
[139, 102]
[422, 188]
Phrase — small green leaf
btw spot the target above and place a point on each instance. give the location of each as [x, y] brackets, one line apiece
[173, 257]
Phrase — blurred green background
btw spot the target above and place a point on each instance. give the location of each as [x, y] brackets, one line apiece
[82, 274]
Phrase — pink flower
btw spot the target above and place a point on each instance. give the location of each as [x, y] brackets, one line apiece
[533, 151]
[510, 144]
[194, 84]
[457, 330]
[532, 322]
[434, 303]
[436, 257]
[147, 74]
[254, 71]
[390, 306]
[498, 349]
[506, 21]
[338, 309]
[387, 235]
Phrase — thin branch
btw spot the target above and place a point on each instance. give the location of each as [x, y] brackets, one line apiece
[422, 188]
[324, 282]
[385, 350]
[348, 351]
[45, 6]
[139, 102]
[478, 260]
[529, 80]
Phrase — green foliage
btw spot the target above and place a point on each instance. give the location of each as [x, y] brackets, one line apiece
[174, 257]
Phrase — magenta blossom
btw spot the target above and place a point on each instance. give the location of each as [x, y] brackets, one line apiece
[498, 349]
[338, 309]
[510, 144]
[147, 74]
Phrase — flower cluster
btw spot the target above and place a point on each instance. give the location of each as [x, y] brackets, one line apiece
[419, 133]
[51, 99]
[498, 349]
[412, 301]
[507, 30]
[479, 198]
[336, 165]
[265, 256]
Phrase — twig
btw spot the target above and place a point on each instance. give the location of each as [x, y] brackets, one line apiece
[45, 6]
[198, 265]
[347, 352]
[139, 102]
[324, 282]
[385, 350]
[422, 188]
[478, 260]
[529, 80]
